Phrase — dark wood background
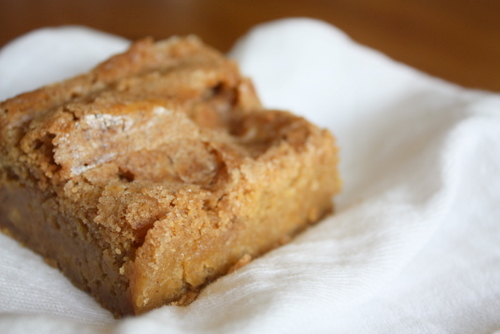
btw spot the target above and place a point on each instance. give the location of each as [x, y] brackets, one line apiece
[458, 40]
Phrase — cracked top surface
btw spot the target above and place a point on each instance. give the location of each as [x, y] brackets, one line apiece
[119, 144]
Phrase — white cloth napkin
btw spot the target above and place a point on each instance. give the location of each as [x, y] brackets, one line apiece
[414, 246]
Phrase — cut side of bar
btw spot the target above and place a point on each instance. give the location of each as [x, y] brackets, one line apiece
[156, 173]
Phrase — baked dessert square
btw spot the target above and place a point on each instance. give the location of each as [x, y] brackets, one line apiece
[156, 173]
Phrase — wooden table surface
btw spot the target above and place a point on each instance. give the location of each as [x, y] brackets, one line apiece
[458, 40]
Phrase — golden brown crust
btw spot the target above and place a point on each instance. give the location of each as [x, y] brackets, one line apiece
[157, 172]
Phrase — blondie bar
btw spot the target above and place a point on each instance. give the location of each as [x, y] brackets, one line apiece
[157, 172]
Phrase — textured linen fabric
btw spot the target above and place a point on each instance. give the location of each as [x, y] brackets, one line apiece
[414, 246]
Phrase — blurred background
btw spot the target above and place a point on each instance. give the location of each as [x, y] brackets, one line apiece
[457, 40]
